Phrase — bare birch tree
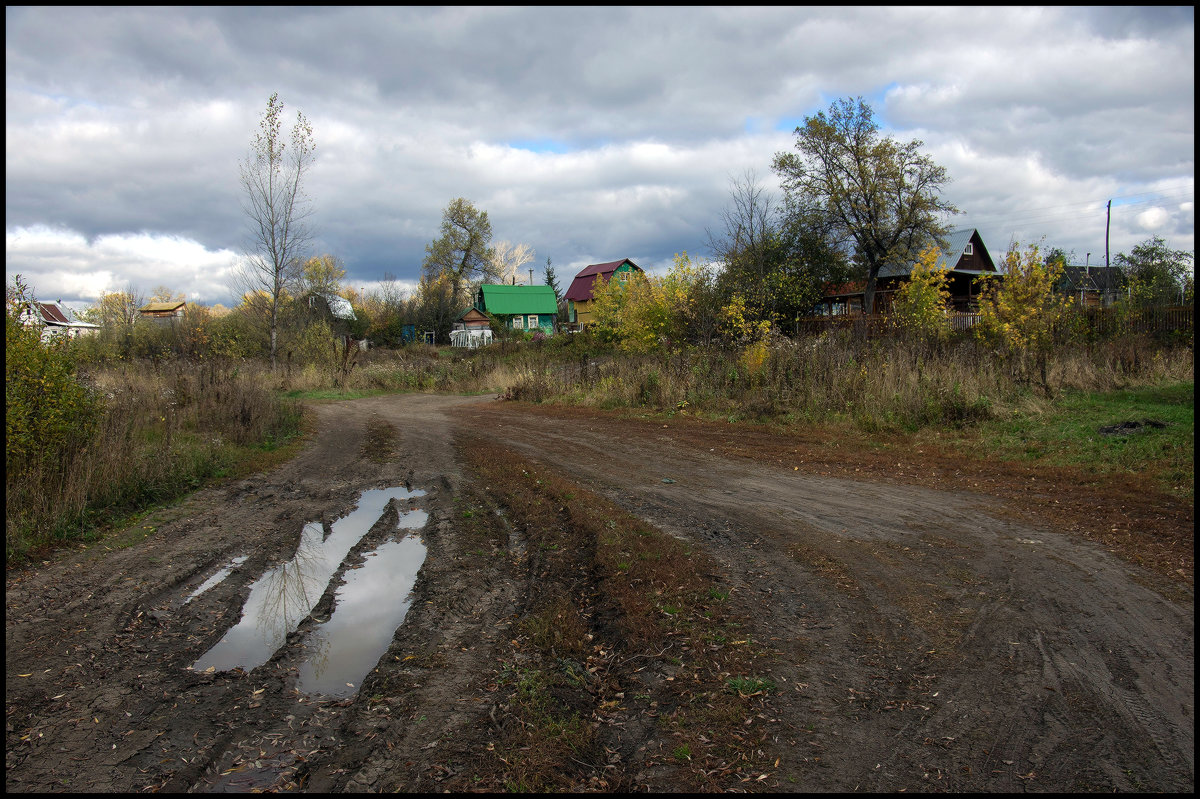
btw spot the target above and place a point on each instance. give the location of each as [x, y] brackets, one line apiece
[272, 177]
[509, 258]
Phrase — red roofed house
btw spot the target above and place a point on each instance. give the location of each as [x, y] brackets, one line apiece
[56, 320]
[579, 295]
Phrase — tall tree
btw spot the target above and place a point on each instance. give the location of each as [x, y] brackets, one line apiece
[463, 252]
[871, 193]
[323, 274]
[551, 280]
[748, 239]
[116, 308]
[272, 177]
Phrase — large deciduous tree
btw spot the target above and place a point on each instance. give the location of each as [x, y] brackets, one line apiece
[272, 178]
[1155, 274]
[869, 192]
[323, 274]
[463, 252]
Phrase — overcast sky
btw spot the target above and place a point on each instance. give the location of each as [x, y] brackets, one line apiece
[590, 134]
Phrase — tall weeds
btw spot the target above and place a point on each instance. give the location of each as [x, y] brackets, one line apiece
[876, 383]
[162, 429]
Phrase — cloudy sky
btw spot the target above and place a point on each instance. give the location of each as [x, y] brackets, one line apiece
[590, 134]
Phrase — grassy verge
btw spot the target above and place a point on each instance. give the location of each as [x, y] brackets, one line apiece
[625, 628]
[1070, 433]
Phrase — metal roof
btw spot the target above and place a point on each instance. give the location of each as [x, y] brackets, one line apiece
[956, 242]
[1091, 278]
[501, 300]
[581, 286]
[52, 314]
[340, 307]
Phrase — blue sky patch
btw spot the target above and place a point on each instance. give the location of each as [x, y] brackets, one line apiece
[540, 146]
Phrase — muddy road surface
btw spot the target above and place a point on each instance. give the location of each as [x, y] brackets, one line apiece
[919, 639]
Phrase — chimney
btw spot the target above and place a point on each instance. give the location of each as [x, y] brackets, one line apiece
[531, 275]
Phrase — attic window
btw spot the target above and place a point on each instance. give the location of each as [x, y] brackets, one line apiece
[623, 276]
[969, 249]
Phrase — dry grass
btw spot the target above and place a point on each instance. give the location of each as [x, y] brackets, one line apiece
[163, 430]
[877, 384]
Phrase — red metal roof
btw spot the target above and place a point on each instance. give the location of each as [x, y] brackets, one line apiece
[581, 286]
[52, 314]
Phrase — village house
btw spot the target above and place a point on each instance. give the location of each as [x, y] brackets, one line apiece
[56, 320]
[528, 308]
[579, 294]
[965, 257]
[1092, 286]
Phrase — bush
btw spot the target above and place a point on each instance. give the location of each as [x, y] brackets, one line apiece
[47, 409]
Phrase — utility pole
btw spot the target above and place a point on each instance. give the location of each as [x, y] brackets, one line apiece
[1107, 223]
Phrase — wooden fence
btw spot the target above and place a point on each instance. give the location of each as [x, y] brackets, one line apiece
[1158, 321]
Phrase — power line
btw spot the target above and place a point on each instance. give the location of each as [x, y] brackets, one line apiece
[1031, 217]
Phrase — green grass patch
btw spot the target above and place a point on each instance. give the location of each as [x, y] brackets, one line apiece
[1069, 434]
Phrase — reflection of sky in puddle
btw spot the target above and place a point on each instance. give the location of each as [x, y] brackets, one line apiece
[370, 606]
[216, 578]
[283, 596]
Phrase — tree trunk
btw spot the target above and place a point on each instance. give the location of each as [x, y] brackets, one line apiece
[869, 293]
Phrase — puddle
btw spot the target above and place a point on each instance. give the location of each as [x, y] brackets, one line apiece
[216, 578]
[285, 595]
[370, 605]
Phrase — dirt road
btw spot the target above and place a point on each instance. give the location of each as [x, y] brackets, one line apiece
[922, 639]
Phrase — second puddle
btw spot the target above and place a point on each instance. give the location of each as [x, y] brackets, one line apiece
[370, 606]
[285, 595]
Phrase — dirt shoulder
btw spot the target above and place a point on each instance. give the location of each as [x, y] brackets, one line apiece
[926, 624]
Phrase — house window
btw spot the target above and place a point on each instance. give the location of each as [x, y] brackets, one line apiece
[623, 276]
[518, 322]
[969, 249]
[533, 321]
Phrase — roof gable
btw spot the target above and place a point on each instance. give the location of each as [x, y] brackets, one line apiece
[581, 287]
[501, 300]
[472, 315]
[51, 314]
[951, 256]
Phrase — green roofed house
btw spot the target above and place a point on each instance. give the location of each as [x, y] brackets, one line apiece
[519, 307]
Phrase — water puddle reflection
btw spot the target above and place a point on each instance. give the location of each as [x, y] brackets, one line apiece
[216, 578]
[369, 607]
[285, 595]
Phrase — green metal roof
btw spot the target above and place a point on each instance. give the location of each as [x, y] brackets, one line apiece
[502, 300]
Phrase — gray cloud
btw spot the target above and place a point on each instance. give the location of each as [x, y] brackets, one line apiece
[589, 133]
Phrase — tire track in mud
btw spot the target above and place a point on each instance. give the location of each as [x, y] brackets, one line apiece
[910, 618]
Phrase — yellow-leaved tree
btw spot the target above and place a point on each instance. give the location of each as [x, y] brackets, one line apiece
[921, 304]
[1020, 313]
[647, 312]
